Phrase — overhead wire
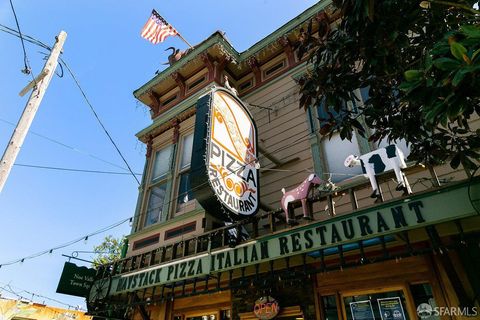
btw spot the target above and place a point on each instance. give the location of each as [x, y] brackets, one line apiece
[9, 288]
[67, 244]
[67, 146]
[37, 42]
[98, 119]
[74, 170]
[27, 69]
[25, 37]
[32, 40]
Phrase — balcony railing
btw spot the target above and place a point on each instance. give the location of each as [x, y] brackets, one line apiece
[348, 198]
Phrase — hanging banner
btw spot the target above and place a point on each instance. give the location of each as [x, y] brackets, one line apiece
[75, 280]
[224, 158]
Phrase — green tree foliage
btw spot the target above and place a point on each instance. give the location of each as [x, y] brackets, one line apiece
[108, 251]
[420, 61]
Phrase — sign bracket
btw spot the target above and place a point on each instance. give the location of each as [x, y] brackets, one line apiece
[72, 257]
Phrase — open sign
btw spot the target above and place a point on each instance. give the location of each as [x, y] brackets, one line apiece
[266, 308]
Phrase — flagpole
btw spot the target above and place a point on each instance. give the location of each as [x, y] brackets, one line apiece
[180, 36]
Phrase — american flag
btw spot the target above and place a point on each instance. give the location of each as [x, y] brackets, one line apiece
[157, 29]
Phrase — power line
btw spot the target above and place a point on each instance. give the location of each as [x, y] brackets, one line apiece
[27, 69]
[301, 139]
[64, 245]
[122, 221]
[74, 170]
[98, 119]
[24, 37]
[67, 146]
[11, 31]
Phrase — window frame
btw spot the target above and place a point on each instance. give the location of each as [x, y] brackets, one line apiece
[152, 183]
[319, 144]
[171, 179]
[176, 208]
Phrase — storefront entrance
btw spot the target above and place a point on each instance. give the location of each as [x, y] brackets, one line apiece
[391, 290]
[203, 307]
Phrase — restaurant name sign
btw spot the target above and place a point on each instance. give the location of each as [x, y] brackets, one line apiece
[402, 215]
[224, 170]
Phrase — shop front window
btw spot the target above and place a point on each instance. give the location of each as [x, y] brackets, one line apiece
[389, 305]
[330, 309]
[424, 302]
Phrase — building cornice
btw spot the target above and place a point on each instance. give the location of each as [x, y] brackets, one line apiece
[172, 113]
[218, 39]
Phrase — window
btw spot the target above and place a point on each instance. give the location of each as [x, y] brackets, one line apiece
[376, 306]
[330, 308]
[158, 186]
[185, 196]
[422, 294]
[336, 150]
[161, 199]
[275, 68]
[324, 115]
[402, 144]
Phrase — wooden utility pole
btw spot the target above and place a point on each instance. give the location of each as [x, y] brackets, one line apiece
[39, 86]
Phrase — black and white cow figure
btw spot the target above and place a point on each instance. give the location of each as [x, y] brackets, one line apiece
[379, 161]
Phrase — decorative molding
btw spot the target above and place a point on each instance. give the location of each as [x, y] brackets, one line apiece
[208, 62]
[288, 48]
[176, 130]
[218, 40]
[180, 230]
[254, 65]
[149, 146]
[220, 67]
[323, 24]
[146, 242]
[180, 82]
[155, 105]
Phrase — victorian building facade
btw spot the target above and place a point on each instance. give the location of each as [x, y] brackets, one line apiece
[393, 258]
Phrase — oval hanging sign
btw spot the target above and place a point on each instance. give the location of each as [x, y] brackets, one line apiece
[266, 308]
[224, 157]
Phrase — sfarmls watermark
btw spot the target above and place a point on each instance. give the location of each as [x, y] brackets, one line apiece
[426, 311]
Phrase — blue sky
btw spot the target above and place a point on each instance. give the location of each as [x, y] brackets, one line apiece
[40, 209]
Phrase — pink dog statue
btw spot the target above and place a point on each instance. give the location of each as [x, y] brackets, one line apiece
[300, 193]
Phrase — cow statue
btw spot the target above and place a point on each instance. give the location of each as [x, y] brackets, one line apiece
[300, 193]
[379, 161]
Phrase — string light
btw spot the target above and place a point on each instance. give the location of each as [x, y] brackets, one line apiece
[84, 238]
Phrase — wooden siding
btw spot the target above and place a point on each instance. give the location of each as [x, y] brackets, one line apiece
[284, 133]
